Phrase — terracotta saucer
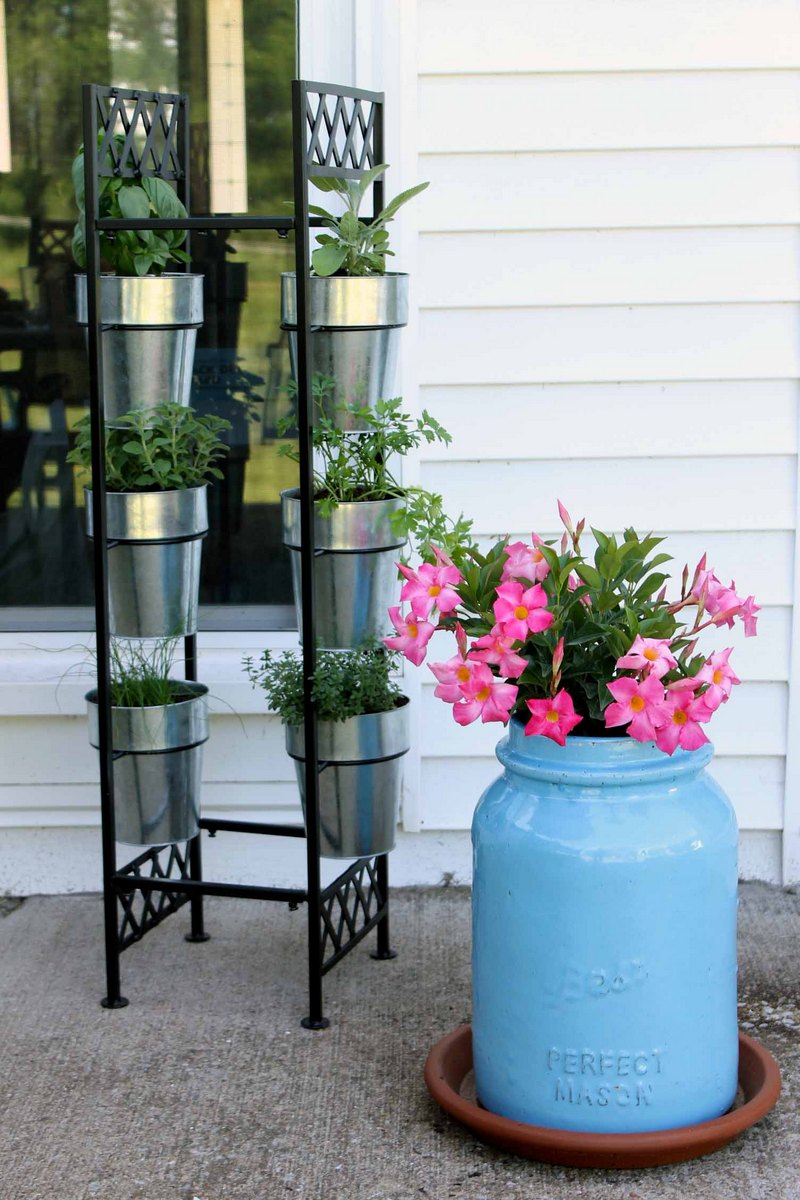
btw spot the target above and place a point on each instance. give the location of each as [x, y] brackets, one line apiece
[450, 1061]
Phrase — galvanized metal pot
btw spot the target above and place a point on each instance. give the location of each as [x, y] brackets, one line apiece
[154, 569]
[355, 578]
[359, 787]
[148, 357]
[356, 321]
[157, 782]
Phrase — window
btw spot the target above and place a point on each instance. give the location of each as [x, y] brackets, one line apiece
[235, 58]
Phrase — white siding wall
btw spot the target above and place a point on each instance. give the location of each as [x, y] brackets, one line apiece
[605, 290]
[608, 285]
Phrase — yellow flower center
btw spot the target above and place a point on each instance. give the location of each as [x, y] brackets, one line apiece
[413, 629]
[434, 589]
[718, 676]
[462, 673]
[552, 717]
[483, 694]
[520, 612]
[650, 654]
[637, 703]
[679, 717]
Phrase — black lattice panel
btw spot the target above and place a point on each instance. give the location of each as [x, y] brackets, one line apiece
[142, 911]
[341, 132]
[351, 906]
[148, 123]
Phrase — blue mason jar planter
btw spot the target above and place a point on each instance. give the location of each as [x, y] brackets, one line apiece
[604, 937]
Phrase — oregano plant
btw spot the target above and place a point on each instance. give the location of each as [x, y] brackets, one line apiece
[156, 449]
[353, 465]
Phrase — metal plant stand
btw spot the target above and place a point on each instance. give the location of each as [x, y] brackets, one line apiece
[337, 132]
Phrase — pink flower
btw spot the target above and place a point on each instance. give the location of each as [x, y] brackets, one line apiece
[747, 614]
[719, 601]
[553, 718]
[648, 654]
[641, 706]
[519, 612]
[525, 562]
[495, 648]
[454, 676]
[413, 636]
[685, 714]
[566, 519]
[431, 587]
[485, 697]
[719, 676]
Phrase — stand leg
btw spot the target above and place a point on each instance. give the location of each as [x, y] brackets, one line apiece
[198, 933]
[113, 998]
[384, 949]
[315, 1019]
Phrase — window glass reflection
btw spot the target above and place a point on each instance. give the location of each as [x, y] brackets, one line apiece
[241, 363]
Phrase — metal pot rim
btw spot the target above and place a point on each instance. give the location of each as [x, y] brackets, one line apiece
[328, 730]
[117, 292]
[200, 691]
[354, 527]
[348, 302]
[158, 728]
[169, 515]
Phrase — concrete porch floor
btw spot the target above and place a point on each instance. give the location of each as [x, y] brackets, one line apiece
[206, 1087]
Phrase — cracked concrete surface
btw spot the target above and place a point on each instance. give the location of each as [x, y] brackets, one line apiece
[206, 1087]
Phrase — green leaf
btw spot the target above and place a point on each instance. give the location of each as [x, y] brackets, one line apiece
[79, 245]
[324, 183]
[403, 198]
[349, 227]
[78, 180]
[368, 179]
[164, 199]
[133, 203]
[328, 259]
[316, 211]
[589, 575]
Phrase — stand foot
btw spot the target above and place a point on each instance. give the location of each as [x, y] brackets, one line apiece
[308, 1023]
[197, 937]
[382, 955]
[120, 1002]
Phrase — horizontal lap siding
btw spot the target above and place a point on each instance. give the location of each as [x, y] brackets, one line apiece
[608, 287]
[606, 35]
[668, 110]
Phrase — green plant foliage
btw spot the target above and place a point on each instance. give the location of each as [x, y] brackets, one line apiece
[140, 674]
[352, 466]
[130, 251]
[599, 608]
[156, 449]
[355, 247]
[356, 465]
[346, 683]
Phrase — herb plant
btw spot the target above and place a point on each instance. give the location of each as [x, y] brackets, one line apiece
[140, 674]
[355, 465]
[130, 251]
[355, 247]
[595, 644]
[346, 683]
[156, 449]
